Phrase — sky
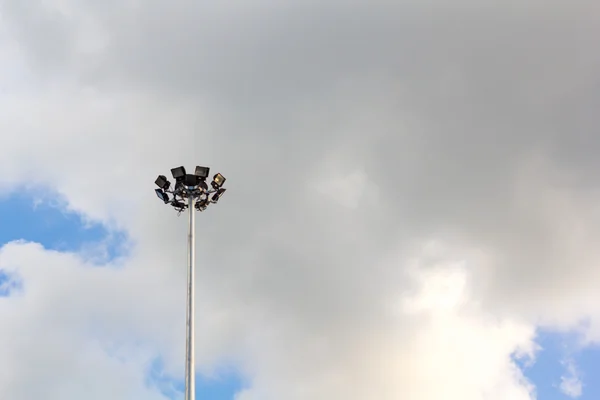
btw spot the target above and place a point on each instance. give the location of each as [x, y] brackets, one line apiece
[412, 206]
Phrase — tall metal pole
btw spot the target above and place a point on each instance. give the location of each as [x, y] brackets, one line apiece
[194, 188]
[190, 380]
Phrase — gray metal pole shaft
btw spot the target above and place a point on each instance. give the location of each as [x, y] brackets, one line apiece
[190, 380]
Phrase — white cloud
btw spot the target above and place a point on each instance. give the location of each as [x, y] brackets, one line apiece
[458, 347]
[570, 382]
[65, 326]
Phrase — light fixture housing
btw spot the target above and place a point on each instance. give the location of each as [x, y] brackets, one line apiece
[202, 172]
[178, 173]
[218, 181]
[162, 182]
[191, 180]
[201, 203]
[162, 195]
[218, 194]
[178, 204]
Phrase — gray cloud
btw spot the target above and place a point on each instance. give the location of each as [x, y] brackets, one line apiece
[473, 124]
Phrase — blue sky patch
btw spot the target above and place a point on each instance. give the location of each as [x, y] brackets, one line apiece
[223, 387]
[45, 220]
[588, 362]
[550, 366]
[8, 284]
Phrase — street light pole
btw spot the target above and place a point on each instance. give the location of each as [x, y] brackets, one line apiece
[192, 192]
[190, 376]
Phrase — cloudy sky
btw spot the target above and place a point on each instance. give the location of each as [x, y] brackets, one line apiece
[413, 204]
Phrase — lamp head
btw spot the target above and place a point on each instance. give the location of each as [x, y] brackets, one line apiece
[178, 173]
[218, 181]
[218, 194]
[162, 182]
[162, 195]
[191, 180]
[178, 204]
[202, 172]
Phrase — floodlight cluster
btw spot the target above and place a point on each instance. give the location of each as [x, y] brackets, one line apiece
[190, 185]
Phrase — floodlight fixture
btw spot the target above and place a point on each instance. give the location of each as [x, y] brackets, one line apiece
[162, 195]
[162, 182]
[190, 192]
[180, 205]
[201, 204]
[218, 181]
[218, 195]
[202, 172]
[178, 173]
